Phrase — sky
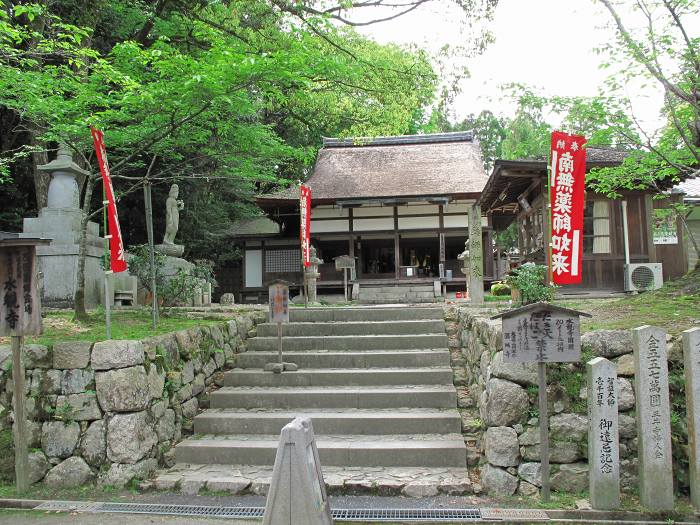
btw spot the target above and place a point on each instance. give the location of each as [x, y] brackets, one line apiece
[543, 43]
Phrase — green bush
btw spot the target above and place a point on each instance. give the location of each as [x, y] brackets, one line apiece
[173, 290]
[500, 288]
[529, 279]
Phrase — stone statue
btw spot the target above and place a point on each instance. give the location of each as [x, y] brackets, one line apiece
[172, 215]
[464, 257]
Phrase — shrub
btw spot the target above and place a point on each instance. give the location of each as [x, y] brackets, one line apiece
[500, 288]
[529, 280]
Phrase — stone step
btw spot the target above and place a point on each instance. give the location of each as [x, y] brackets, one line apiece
[357, 314]
[237, 480]
[397, 294]
[415, 450]
[348, 421]
[400, 300]
[398, 289]
[354, 360]
[340, 377]
[350, 342]
[433, 396]
[421, 326]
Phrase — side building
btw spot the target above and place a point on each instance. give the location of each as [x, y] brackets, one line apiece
[516, 194]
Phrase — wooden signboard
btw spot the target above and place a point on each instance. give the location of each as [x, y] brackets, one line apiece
[344, 261]
[20, 305]
[279, 302]
[541, 333]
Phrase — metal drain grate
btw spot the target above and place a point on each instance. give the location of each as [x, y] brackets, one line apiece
[69, 506]
[514, 514]
[183, 510]
[417, 515]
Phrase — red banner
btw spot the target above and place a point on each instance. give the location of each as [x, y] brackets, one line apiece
[567, 186]
[305, 230]
[116, 246]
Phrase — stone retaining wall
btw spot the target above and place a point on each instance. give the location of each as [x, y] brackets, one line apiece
[499, 407]
[110, 412]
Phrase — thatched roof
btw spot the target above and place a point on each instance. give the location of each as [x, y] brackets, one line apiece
[445, 164]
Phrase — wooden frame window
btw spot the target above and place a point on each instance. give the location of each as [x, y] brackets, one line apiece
[596, 227]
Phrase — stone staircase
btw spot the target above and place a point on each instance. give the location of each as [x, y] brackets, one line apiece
[409, 294]
[377, 384]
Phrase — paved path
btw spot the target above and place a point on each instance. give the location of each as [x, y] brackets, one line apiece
[32, 518]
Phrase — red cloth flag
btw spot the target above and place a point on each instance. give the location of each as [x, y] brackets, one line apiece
[116, 245]
[567, 198]
[305, 230]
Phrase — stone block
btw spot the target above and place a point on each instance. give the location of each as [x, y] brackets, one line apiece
[217, 335]
[521, 373]
[420, 489]
[628, 426]
[130, 437]
[232, 328]
[568, 427]
[93, 444]
[123, 389]
[188, 372]
[506, 403]
[625, 365]
[108, 355]
[59, 439]
[189, 408]
[83, 407]
[501, 446]
[75, 381]
[71, 473]
[71, 354]
[37, 356]
[625, 394]
[46, 381]
[531, 473]
[119, 474]
[607, 343]
[198, 384]
[38, 466]
[498, 482]
[156, 382]
[559, 452]
[570, 478]
[165, 428]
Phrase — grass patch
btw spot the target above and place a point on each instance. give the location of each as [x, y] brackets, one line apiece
[7, 458]
[126, 324]
[675, 307]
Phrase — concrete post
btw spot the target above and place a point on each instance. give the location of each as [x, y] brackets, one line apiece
[603, 435]
[653, 418]
[476, 256]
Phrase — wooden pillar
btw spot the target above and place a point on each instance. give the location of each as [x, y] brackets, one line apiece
[397, 245]
[649, 220]
[476, 256]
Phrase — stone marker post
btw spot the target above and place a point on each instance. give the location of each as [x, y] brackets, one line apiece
[691, 363]
[297, 492]
[603, 435]
[476, 258]
[653, 418]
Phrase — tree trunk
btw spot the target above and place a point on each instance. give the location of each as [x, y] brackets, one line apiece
[79, 298]
[41, 178]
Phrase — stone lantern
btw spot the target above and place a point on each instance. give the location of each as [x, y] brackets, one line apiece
[60, 221]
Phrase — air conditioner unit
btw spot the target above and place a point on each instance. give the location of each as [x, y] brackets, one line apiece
[643, 276]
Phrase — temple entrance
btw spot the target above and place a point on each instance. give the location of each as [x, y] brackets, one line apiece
[376, 259]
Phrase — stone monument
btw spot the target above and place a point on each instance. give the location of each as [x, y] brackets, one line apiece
[603, 435]
[691, 364]
[60, 222]
[312, 274]
[653, 418]
[173, 206]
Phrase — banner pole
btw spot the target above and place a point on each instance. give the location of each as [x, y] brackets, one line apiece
[108, 299]
[548, 211]
[151, 251]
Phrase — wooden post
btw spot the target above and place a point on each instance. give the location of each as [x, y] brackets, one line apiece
[20, 423]
[544, 429]
[151, 251]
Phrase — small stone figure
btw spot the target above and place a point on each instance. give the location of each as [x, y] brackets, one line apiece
[464, 257]
[172, 215]
[312, 274]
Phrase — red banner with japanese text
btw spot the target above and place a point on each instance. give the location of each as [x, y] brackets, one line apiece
[116, 245]
[567, 186]
[305, 230]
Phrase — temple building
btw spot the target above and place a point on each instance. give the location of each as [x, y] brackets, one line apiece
[398, 205]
